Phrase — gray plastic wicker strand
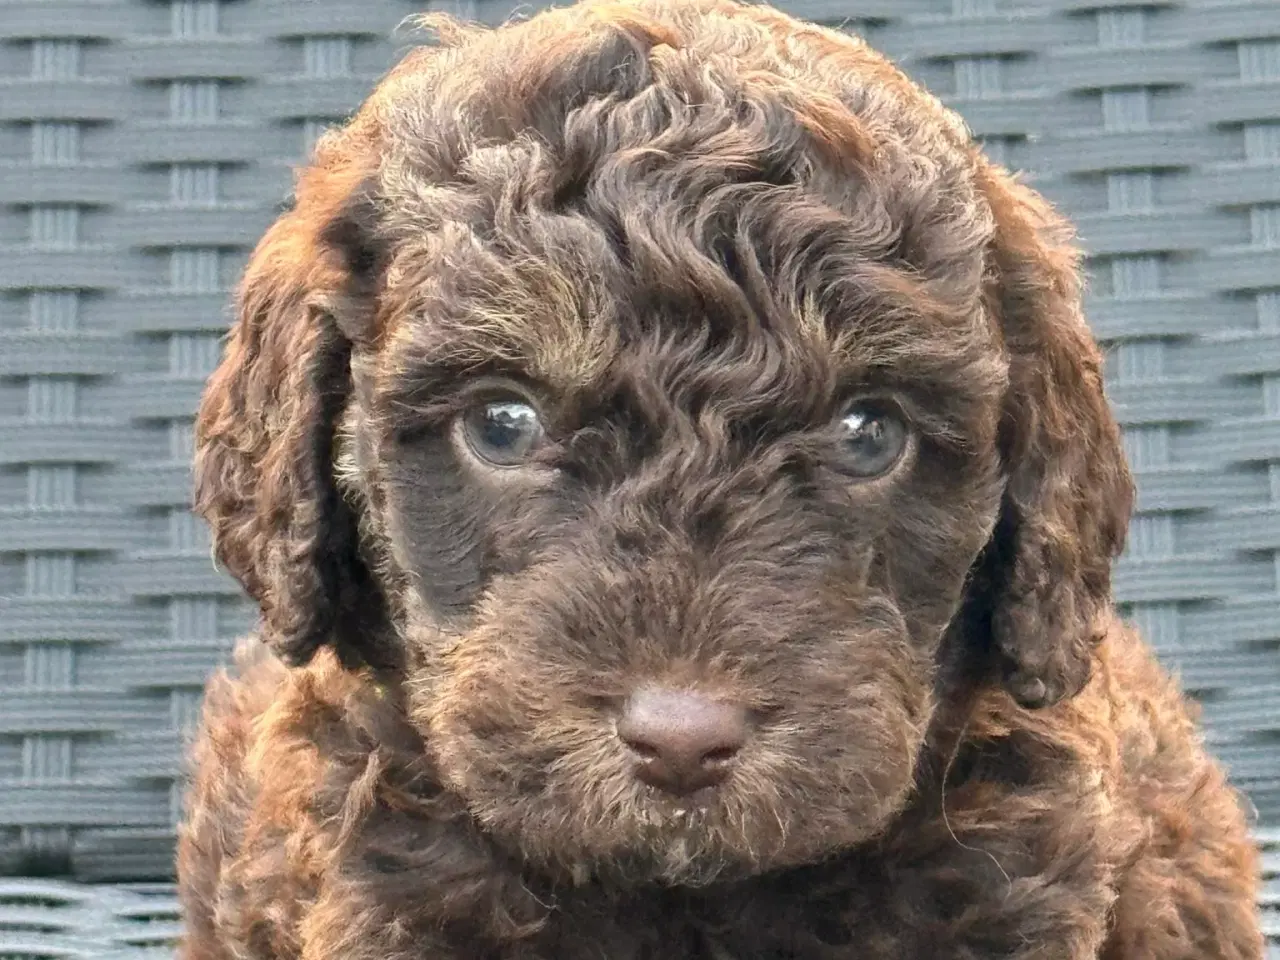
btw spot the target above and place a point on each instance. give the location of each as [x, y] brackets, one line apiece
[145, 144]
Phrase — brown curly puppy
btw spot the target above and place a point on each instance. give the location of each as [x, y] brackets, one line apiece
[675, 476]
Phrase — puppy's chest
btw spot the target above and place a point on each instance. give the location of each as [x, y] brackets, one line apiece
[671, 931]
[674, 942]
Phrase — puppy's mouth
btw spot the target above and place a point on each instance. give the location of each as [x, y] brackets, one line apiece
[680, 812]
[677, 842]
[662, 817]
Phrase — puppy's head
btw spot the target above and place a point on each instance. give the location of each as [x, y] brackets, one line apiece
[671, 396]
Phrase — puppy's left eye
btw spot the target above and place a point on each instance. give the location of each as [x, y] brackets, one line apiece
[504, 433]
[875, 438]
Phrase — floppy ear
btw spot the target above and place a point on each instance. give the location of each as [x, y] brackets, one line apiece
[265, 437]
[1046, 576]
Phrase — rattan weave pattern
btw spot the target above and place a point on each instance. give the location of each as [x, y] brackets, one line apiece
[144, 145]
[50, 920]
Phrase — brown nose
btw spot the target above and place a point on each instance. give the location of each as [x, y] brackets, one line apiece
[685, 741]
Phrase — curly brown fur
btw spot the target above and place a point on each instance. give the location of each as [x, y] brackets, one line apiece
[690, 234]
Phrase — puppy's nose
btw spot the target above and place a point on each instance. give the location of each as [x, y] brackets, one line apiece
[685, 741]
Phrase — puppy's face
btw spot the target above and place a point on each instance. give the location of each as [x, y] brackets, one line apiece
[669, 494]
[670, 391]
[661, 438]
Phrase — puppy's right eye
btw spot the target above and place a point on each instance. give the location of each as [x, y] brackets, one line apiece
[502, 433]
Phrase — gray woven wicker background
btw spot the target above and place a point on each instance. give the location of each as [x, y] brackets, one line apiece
[144, 145]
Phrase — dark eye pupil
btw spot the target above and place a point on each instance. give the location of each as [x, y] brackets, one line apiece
[507, 424]
[873, 436]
